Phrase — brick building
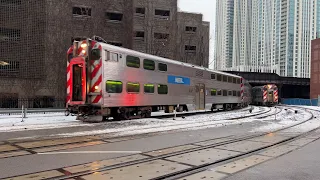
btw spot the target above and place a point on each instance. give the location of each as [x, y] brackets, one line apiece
[35, 34]
[315, 69]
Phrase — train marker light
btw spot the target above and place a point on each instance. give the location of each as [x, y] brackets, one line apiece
[96, 87]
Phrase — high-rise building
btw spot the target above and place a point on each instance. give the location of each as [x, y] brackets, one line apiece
[280, 36]
[36, 34]
[224, 34]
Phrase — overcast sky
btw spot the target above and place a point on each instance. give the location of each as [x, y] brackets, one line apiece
[205, 7]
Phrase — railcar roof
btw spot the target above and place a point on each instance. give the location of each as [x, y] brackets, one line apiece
[161, 59]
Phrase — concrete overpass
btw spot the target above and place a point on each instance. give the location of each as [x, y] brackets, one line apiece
[289, 87]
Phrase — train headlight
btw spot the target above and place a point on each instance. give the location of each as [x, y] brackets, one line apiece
[84, 45]
[96, 88]
[83, 51]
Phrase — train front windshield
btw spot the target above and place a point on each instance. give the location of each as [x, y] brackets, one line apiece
[77, 83]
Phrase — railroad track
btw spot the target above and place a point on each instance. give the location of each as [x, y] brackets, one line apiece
[21, 148]
[199, 168]
[195, 168]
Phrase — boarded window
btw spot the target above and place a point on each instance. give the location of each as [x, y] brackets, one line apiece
[148, 64]
[133, 62]
[162, 89]
[162, 67]
[133, 87]
[114, 86]
[149, 88]
[213, 92]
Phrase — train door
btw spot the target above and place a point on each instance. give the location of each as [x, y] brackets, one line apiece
[200, 97]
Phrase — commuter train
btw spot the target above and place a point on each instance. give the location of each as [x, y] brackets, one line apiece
[108, 81]
[266, 95]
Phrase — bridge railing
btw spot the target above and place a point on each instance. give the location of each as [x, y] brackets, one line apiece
[298, 101]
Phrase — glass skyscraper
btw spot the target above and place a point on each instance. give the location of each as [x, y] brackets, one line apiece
[280, 36]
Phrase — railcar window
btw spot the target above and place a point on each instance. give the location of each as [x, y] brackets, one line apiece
[148, 64]
[238, 81]
[234, 80]
[162, 89]
[234, 93]
[133, 62]
[219, 77]
[149, 88]
[238, 93]
[162, 67]
[229, 93]
[133, 87]
[225, 78]
[114, 86]
[213, 92]
[219, 92]
[230, 79]
[111, 56]
[225, 93]
[213, 76]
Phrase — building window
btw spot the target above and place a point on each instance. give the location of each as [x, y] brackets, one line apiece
[234, 80]
[114, 16]
[9, 34]
[225, 78]
[238, 93]
[161, 36]
[114, 86]
[191, 29]
[225, 93]
[115, 43]
[133, 62]
[148, 64]
[213, 92]
[81, 11]
[10, 2]
[229, 93]
[219, 77]
[164, 13]
[219, 92]
[234, 93]
[140, 10]
[133, 87]
[162, 67]
[229, 79]
[190, 48]
[162, 89]
[139, 35]
[238, 81]
[213, 76]
[149, 88]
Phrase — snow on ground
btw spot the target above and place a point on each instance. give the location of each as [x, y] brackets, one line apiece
[37, 121]
[283, 119]
[158, 125]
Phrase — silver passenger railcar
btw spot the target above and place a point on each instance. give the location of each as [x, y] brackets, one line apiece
[110, 81]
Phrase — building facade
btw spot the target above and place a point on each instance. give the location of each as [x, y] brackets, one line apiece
[315, 69]
[223, 53]
[280, 37]
[35, 35]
